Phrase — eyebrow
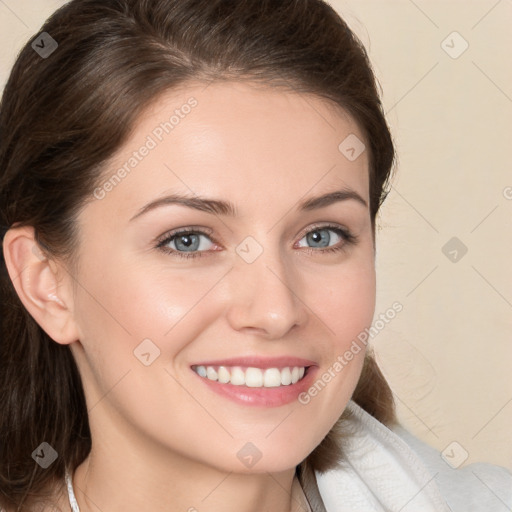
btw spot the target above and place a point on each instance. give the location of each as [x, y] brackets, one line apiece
[218, 207]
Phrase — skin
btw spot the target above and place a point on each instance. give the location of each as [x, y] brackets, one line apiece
[162, 440]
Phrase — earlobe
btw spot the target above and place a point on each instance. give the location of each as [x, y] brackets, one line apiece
[46, 295]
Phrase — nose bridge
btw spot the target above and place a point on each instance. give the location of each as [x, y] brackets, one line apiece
[263, 294]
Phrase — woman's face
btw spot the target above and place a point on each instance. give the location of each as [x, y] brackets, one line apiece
[261, 272]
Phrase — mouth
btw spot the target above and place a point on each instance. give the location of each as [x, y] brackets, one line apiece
[256, 380]
[252, 376]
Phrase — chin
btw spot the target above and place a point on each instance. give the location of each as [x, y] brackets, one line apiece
[246, 457]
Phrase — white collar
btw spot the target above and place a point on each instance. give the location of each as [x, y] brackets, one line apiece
[379, 473]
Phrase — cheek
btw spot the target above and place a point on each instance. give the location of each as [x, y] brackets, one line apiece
[346, 307]
[352, 307]
[127, 311]
[344, 300]
[131, 303]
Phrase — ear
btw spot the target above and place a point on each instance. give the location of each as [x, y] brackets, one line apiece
[43, 286]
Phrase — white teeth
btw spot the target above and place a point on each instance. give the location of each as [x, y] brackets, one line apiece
[286, 377]
[223, 375]
[272, 378]
[211, 373]
[237, 377]
[252, 377]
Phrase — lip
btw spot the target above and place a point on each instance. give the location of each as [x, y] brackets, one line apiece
[259, 362]
[261, 397]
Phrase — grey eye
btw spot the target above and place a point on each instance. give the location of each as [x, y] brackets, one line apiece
[189, 242]
[320, 237]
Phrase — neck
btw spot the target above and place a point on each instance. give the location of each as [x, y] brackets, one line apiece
[116, 479]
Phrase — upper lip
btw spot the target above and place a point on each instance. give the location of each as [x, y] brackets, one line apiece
[259, 362]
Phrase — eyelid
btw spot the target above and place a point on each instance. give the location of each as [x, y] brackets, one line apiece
[318, 225]
[346, 233]
[187, 229]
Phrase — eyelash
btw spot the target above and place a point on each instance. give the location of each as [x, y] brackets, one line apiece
[348, 237]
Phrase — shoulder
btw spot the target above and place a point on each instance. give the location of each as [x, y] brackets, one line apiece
[386, 469]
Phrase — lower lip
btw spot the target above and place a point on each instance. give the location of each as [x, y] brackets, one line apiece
[262, 397]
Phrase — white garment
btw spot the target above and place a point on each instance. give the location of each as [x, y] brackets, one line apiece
[393, 471]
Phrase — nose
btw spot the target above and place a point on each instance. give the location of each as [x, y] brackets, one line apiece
[265, 296]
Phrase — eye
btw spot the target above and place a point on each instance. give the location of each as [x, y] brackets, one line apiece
[192, 243]
[326, 238]
[186, 242]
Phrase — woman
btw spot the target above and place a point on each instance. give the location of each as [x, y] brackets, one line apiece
[189, 193]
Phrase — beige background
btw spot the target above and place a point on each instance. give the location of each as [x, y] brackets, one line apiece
[448, 354]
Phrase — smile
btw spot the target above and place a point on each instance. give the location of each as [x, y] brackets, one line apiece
[252, 377]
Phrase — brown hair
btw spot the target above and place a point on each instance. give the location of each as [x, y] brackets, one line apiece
[63, 117]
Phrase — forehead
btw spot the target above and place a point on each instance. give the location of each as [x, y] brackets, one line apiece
[239, 139]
